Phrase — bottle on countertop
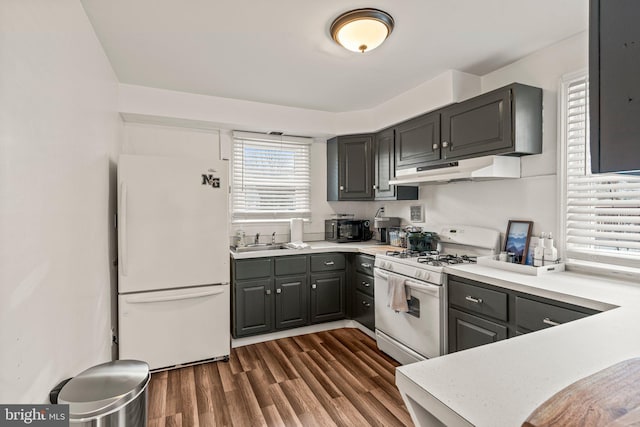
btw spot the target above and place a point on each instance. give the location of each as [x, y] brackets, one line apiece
[240, 235]
[538, 252]
[550, 251]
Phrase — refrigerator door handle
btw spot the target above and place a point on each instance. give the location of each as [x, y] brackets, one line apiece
[123, 227]
[144, 300]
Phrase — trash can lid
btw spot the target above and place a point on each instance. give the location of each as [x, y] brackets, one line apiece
[104, 388]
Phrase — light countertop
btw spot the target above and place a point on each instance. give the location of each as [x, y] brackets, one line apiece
[502, 383]
[370, 247]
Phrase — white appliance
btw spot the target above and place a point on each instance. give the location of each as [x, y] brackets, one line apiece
[475, 169]
[173, 260]
[420, 333]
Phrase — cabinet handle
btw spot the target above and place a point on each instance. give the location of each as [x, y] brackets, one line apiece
[473, 300]
[268, 292]
[366, 304]
[375, 187]
[365, 284]
[445, 144]
[313, 286]
[342, 188]
[329, 263]
[278, 291]
[435, 146]
[548, 321]
[365, 265]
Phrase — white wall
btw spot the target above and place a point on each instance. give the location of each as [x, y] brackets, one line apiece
[533, 197]
[59, 137]
[488, 204]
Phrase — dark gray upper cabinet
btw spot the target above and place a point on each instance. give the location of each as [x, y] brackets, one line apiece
[504, 121]
[417, 141]
[614, 85]
[350, 168]
[384, 168]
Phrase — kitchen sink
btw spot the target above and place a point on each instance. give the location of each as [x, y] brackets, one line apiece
[258, 247]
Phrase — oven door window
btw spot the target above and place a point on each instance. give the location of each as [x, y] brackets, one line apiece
[414, 307]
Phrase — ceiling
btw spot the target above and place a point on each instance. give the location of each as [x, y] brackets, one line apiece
[280, 51]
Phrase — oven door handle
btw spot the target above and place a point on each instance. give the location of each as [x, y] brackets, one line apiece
[381, 275]
[424, 287]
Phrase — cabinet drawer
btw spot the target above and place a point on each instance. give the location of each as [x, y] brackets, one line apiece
[535, 315]
[364, 283]
[290, 265]
[478, 300]
[327, 262]
[364, 264]
[364, 310]
[252, 268]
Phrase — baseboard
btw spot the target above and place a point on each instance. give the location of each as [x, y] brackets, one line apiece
[240, 342]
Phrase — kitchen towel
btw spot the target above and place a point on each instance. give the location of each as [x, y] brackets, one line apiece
[397, 294]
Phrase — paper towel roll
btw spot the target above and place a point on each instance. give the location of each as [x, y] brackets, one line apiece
[296, 229]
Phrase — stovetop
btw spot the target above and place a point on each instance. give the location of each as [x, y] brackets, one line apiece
[433, 258]
[457, 245]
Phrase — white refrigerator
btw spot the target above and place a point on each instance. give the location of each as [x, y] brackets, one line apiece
[173, 260]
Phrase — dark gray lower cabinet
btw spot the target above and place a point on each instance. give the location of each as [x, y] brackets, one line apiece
[480, 313]
[468, 331]
[252, 308]
[535, 315]
[291, 306]
[276, 293]
[327, 297]
[363, 310]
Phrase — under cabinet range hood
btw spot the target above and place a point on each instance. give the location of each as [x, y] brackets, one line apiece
[477, 169]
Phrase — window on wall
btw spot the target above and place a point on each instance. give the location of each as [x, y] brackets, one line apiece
[270, 177]
[601, 212]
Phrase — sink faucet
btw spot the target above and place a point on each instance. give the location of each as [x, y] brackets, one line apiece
[257, 240]
[273, 238]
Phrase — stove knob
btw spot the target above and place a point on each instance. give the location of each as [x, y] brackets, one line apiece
[418, 274]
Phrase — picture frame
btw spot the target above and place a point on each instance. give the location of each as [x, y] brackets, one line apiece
[517, 239]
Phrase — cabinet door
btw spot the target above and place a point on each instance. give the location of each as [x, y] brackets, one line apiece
[364, 310]
[418, 141]
[355, 167]
[291, 306]
[481, 125]
[614, 89]
[468, 331]
[384, 165]
[253, 302]
[327, 297]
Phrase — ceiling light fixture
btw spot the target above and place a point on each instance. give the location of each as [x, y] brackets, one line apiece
[362, 30]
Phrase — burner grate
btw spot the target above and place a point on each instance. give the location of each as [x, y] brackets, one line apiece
[439, 260]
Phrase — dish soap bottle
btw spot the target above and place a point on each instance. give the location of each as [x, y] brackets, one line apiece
[550, 252]
[538, 252]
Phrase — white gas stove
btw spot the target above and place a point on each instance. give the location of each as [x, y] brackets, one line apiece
[419, 333]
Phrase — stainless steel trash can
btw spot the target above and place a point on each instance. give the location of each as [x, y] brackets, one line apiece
[113, 394]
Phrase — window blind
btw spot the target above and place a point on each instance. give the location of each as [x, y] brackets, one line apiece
[602, 211]
[271, 177]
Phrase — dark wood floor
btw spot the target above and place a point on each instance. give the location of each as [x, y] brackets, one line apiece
[328, 378]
